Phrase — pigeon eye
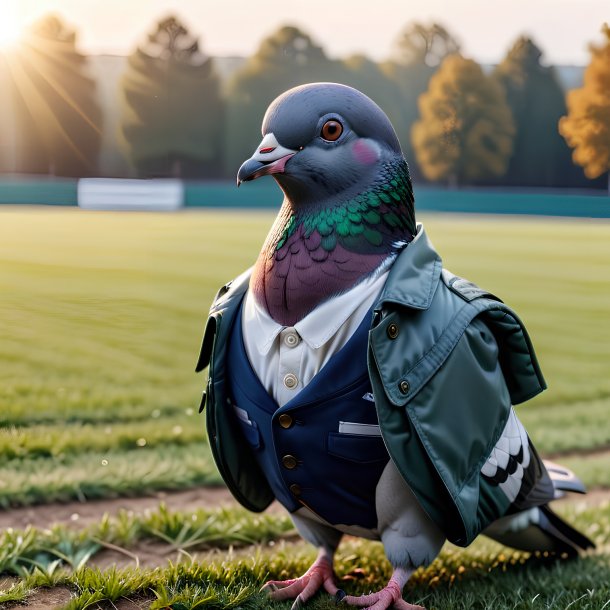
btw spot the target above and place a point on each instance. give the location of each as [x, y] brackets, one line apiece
[332, 130]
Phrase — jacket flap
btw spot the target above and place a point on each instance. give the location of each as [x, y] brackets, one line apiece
[408, 365]
[223, 299]
[207, 344]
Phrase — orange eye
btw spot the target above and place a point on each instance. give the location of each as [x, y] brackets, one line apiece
[332, 130]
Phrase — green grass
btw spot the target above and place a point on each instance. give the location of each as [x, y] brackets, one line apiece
[88, 476]
[485, 576]
[24, 552]
[101, 318]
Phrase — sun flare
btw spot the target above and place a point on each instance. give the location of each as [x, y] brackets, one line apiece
[10, 30]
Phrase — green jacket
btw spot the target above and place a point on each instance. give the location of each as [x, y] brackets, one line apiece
[446, 361]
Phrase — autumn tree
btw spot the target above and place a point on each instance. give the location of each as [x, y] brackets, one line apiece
[418, 51]
[285, 59]
[540, 156]
[465, 130]
[172, 119]
[586, 127]
[58, 118]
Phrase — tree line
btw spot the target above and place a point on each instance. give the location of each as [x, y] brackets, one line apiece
[458, 123]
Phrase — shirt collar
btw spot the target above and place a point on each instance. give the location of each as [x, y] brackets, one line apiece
[314, 328]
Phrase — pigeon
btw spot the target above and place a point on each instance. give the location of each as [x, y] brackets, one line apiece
[334, 364]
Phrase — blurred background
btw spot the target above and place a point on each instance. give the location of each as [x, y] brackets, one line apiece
[178, 89]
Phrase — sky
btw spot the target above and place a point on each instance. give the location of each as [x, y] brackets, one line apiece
[486, 28]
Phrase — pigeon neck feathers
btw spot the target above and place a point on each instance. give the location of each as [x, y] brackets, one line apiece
[313, 253]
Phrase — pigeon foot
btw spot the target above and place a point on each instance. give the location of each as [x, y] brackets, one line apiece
[320, 575]
[389, 597]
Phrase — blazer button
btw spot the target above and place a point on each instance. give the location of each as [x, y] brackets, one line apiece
[289, 462]
[285, 421]
[404, 387]
[392, 330]
[295, 489]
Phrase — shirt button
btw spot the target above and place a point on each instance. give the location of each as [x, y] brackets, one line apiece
[289, 462]
[295, 489]
[285, 420]
[291, 340]
[291, 381]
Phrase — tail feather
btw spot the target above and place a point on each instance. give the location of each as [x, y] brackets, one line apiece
[563, 479]
[539, 529]
[562, 531]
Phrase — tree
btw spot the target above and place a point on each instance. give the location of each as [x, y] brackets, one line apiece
[465, 131]
[57, 114]
[418, 51]
[172, 120]
[586, 127]
[425, 44]
[285, 59]
[366, 75]
[540, 156]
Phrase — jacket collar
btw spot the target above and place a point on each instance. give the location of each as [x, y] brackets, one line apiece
[414, 275]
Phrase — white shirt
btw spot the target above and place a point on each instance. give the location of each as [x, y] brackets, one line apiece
[285, 359]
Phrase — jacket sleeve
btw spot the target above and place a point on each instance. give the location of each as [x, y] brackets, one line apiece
[441, 436]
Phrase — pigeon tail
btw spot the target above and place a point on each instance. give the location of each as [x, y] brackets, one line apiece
[539, 530]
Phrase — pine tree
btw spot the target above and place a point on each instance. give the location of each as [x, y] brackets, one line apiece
[465, 131]
[540, 156]
[586, 127]
[57, 113]
[173, 112]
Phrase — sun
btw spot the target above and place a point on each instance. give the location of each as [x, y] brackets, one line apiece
[10, 30]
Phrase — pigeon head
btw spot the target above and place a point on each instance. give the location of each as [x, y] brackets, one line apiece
[322, 141]
[348, 200]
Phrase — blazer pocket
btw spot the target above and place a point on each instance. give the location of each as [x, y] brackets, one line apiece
[249, 428]
[361, 449]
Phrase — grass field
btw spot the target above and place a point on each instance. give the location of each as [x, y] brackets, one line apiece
[101, 316]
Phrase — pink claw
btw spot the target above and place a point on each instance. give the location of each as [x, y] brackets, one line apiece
[389, 597]
[319, 575]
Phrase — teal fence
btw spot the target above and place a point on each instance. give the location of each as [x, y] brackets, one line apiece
[266, 194]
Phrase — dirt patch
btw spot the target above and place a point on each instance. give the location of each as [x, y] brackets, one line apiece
[80, 514]
[593, 497]
[45, 599]
[57, 598]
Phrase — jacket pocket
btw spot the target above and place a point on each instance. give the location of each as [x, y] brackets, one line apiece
[362, 449]
[249, 428]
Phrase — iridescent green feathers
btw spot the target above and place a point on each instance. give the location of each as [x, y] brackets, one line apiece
[368, 222]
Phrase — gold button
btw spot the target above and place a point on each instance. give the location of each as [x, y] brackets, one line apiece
[291, 381]
[289, 461]
[295, 489]
[392, 330]
[404, 387]
[285, 420]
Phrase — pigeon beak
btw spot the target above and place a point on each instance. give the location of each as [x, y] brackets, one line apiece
[269, 158]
